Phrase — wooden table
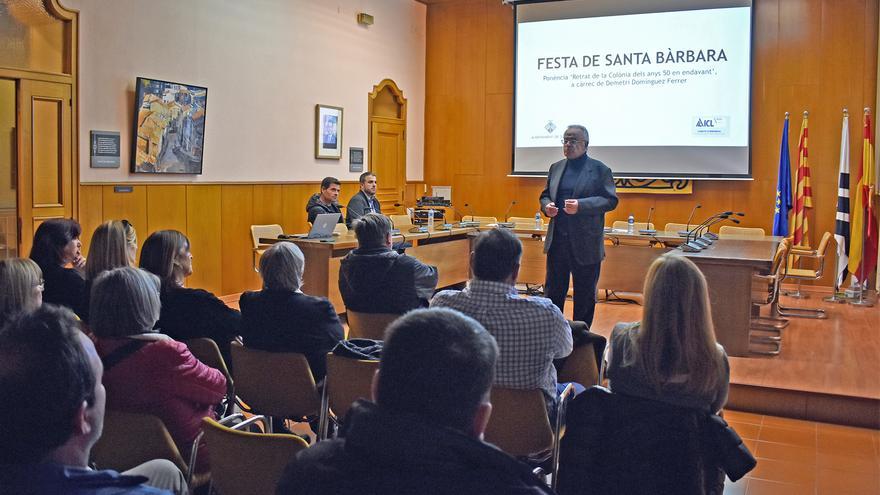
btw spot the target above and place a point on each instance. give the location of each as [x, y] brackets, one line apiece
[728, 266]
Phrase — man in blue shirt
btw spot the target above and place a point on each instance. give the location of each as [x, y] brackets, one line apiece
[54, 373]
[364, 201]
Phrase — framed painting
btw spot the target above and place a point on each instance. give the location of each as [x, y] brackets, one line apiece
[328, 132]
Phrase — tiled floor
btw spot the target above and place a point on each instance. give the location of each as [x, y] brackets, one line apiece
[804, 457]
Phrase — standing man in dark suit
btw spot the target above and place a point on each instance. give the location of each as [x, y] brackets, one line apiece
[364, 201]
[579, 191]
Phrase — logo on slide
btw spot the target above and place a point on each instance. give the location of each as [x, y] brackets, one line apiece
[704, 125]
[550, 126]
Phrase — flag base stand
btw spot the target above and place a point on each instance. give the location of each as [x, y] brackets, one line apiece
[837, 297]
[863, 300]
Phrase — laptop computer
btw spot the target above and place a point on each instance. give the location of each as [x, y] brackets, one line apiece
[323, 226]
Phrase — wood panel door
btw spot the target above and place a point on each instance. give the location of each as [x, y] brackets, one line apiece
[45, 170]
[388, 162]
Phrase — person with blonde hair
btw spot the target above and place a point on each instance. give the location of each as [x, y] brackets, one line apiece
[187, 313]
[671, 355]
[113, 245]
[21, 287]
[281, 318]
[146, 371]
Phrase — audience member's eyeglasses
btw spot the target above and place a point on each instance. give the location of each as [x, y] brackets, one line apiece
[571, 141]
[125, 223]
[41, 286]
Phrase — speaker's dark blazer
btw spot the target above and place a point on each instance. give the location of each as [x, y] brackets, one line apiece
[596, 195]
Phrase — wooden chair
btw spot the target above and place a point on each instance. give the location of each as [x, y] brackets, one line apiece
[765, 292]
[580, 367]
[401, 221]
[368, 325]
[797, 255]
[519, 426]
[340, 229]
[678, 227]
[206, 351]
[278, 384]
[266, 232]
[247, 463]
[347, 381]
[733, 231]
[130, 439]
[524, 222]
[481, 220]
[637, 226]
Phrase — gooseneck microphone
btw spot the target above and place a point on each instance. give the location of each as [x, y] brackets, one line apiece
[687, 227]
[648, 230]
[507, 213]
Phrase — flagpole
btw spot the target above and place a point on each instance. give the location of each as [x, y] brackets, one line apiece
[836, 296]
[862, 301]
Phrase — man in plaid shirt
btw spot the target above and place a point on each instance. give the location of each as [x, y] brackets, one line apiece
[530, 331]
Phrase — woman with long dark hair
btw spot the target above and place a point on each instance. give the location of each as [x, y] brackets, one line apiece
[58, 251]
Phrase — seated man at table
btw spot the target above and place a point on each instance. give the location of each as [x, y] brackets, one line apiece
[531, 331]
[364, 201]
[423, 433]
[52, 373]
[326, 201]
[375, 279]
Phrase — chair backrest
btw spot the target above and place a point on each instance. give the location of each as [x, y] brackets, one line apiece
[733, 231]
[206, 351]
[275, 383]
[482, 220]
[340, 228]
[347, 381]
[519, 424]
[244, 462]
[130, 439]
[623, 225]
[823, 244]
[524, 222]
[368, 325]
[266, 231]
[678, 227]
[399, 221]
[580, 367]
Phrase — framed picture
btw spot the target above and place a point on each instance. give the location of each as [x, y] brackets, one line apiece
[169, 127]
[328, 132]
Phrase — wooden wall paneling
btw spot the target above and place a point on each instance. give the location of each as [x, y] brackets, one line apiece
[130, 206]
[203, 226]
[237, 212]
[499, 48]
[166, 209]
[91, 212]
[293, 205]
[268, 204]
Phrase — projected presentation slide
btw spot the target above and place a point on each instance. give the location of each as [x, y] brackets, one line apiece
[662, 94]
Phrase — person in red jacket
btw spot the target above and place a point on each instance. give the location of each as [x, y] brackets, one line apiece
[146, 371]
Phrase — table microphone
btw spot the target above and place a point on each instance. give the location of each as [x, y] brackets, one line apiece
[687, 228]
[648, 230]
[505, 223]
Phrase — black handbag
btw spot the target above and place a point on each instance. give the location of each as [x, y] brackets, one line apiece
[728, 449]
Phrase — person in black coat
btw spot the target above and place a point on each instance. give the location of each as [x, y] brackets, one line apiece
[58, 251]
[423, 434]
[326, 201]
[280, 318]
[364, 201]
[186, 313]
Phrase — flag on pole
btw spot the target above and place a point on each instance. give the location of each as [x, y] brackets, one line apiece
[803, 193]
[841, 224]
[783, 186]
[863, 255]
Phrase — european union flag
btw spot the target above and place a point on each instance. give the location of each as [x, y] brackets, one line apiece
[782, 203]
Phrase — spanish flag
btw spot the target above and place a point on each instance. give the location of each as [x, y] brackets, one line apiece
[803, 192]
[863, 257]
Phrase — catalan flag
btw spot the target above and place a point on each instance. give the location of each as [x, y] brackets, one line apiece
[783, 186]
[841, 223]
[803, 194]
[863, 255]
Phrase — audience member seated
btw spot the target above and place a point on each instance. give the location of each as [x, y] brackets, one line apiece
[531, 331]
[364, 201]
[187, 313]
[423, 434]
[58, 251]
[375, 279]
[53, 373]
[113, 245]
[21, 287]
[326, 200]
[671, 355]
[281, 318]
[146, 371]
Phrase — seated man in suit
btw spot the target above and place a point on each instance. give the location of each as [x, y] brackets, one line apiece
[364, 201]
[375, 279]
[326, 201]
[423, 434]
[54, 373]
[531, 331]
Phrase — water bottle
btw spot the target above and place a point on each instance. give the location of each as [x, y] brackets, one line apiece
[631, 225]
[538, 223]
[430, 219]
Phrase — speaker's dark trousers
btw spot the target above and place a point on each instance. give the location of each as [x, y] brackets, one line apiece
[561, 264]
